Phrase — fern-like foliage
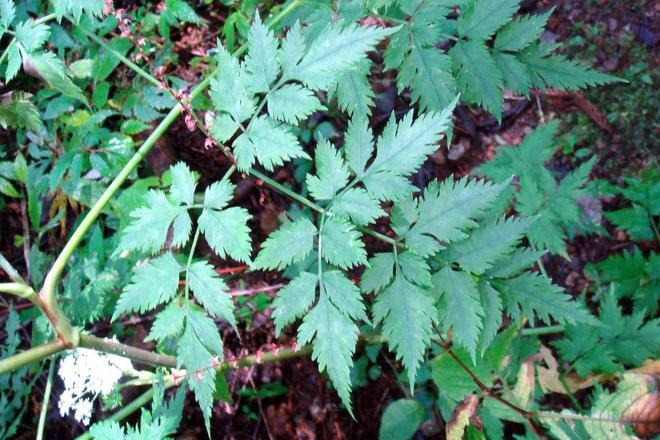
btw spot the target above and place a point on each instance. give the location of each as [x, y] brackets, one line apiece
[555, 204]
[633, 276]
[478, 53]
[286, 76]
[188, 316]
[158, 424]
[619, 340]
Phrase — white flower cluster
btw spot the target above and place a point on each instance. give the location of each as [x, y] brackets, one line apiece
[86, 374]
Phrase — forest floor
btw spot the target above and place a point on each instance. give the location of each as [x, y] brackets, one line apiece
[293, 399]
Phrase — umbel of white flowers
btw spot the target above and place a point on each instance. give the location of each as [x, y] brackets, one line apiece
[86, 375]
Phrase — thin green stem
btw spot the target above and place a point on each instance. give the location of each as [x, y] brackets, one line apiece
[10, 270]
[284, 190]
[130, 64]
[44, 404]
[537, 331]
[189, 262]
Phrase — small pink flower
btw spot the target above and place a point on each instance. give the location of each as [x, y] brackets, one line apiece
[198, 375]
[215, 362]
[177, 378]
[190, 122]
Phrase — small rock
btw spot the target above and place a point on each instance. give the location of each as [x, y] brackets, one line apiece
[457, 151]
[438, 157]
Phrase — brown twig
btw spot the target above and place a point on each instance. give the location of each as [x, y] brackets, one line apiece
[446, 346]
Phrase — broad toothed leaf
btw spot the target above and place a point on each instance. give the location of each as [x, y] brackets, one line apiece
[407, 313]
[358, 144]
[211, 291]
[198, 345]
[335, 51]
[334, 337]
[267, 141]
[446, 210]
[460, 307]
[531, 294]
[331, 172]
[379, 273]
[294, 299]
[291, 243]
[479, 79]
[521, 32]
[229, 91]
[183, 184]
[154, 282]
[227, 232]
[488, 244]
[168, 323]
[261, 61]
[344, 294]
[147, 231]
[292, 103]
[358, 206]
[341, 244]
[482, 18]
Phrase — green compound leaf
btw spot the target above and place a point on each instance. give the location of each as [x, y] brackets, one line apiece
[154, 282]
[291, 243]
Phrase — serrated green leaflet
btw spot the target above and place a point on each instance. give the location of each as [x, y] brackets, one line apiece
[154, 283]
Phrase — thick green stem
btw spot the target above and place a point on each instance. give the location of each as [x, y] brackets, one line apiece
[127, 351]
[29, 356]
[17, 289]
